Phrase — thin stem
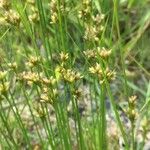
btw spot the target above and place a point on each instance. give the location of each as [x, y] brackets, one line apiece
[103, 118]
[133, 140]
[117, 115]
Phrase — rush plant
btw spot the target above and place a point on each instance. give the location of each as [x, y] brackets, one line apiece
[74, 74]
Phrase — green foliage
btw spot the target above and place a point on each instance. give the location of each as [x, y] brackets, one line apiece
[74, 74]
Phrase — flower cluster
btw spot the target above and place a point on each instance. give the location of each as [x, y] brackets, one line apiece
[13, 66]
[96, 69]
[55, 9]
[34, 17]
[93, 23]
[103, 52]
[40, 111]
[98, 52]
[33, 77]
[90, 53]
[102, 75]
[64, 72]
[64, 56]
[48, 95]
[33, 14]
[5, 4]
[29, 77]
[77, 93]
[70, 75]
[9, 15]
[31, 2]
[4, 85]
[33, 61]
[4, 88]
[131, 111]
[92, 33]
[3, 75]
[12, 17]
[84, 13]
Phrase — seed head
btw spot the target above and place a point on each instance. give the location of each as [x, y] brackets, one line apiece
[12, 17]
[90, 53]
[3, 75]
[49, 96]
[50, 81]
[40, 111]
[84, 13]
[31, 2]
[132, 112]
[30, 77]
[5, 4]
[33, 61]
[70, 75]
[110, 75]
[132, 99]
[4, 88]
[102, 75]
[96, 69]
[132, 115]
[103, 53]
[13, 65]
[77, 93]
[64, 56]
[98, 18]
[91, 33]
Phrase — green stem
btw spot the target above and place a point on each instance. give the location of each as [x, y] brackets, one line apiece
[30, 109]
[103, 118]
[117, 115]
[5, 137]
[133, 140]
[18, 118]
[77, 119]
[5, 122]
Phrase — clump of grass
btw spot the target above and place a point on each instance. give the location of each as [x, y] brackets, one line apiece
[67, 70]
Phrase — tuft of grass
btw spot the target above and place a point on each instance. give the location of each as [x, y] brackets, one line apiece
[74, 74]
